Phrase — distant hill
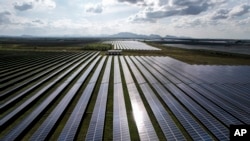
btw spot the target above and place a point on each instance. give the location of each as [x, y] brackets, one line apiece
[128, 35]
[170, 36]
[133, 35]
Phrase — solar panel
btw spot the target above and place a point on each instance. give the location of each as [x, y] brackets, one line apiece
[169, 128]
[169, 76]
[237, 97]
[20, 128]
[120, 121]
[73, 123]
[143, 123]
[243, 90]
[57, 69]
[193, 128]
[169, 71]
[96, 126]
[218, 129]
[204, 99]
[132, 45]
[222, 115]
[222, 94]
[220, 133]
[234, 111]
[161, 77]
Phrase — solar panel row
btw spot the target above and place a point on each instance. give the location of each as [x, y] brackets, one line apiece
[19, 76]
[24, 65]
[223, 95]
[142, 120]
[229, 116]
[131, 45]
[215, 110]
[204, 100]
[221, 114]
[191, 125]
[96, 126]
[21, 83]
[55, 70]
[120, 121]
[73, 123]
[234, 111]
[194, 129]
[234, 97]
[179, 70]
[24, 124]
[212, 123]
[239, 90]
[43, 131]
[218, 129]
[14, 114]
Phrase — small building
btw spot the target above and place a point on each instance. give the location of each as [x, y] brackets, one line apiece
[114, 52]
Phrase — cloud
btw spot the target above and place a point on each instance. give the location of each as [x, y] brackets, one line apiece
[239, 10]
[223, 17]
[23, 6]
[244, 22]
[94, 8]
[220, 14]
[4, 19]
[130, 1]
[37, 21]
[232, 13]
[45, 4]
[159, 9]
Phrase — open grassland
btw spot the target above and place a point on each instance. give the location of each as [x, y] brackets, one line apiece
[95, 46]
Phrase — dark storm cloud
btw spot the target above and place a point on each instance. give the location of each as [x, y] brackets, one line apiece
[23, 7]
[4, 19]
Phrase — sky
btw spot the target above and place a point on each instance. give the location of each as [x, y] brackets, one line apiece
[190, 18]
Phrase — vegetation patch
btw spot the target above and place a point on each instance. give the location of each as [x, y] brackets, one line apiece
[97, 46]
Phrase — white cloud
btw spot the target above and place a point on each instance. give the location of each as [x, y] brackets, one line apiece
[45, 4]
[240, 10]
[109, 2]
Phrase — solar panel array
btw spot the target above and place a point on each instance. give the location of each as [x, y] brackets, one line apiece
[131, 45]
[48, 96]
